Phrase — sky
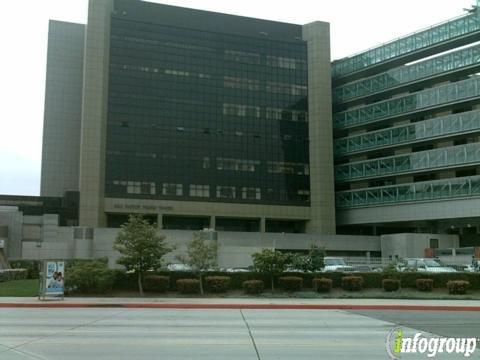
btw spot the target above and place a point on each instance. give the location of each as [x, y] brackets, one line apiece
[355, 26]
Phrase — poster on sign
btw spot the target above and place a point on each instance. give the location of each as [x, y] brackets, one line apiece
[54, 278]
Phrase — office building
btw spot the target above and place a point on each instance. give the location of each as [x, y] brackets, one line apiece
[196, 119]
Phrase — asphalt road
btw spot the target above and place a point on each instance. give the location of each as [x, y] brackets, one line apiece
[448, 323]
[115, 334]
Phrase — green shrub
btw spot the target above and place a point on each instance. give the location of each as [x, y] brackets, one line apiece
[69, 263]
[372, 280]
[13, 274]
[390, 285]
[322, 284]
[424, 284]
[188, 286]
[391, 272]
[157, 283]
[291, 283]
[217, 284]
[253, 287]
[92, 277]
[352, 283]
[32, 267]
[457, 287]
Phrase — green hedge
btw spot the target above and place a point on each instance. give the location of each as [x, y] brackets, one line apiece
[32, 267]
[188, 286]
[92, 277]
[291, 283]
[157, 283]
[253, 287]
[373, 280]
[13, 274]
[217, 284]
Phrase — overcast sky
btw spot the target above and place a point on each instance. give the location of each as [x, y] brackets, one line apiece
[355, 26]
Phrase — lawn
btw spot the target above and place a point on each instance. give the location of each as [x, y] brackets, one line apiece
[19, 288]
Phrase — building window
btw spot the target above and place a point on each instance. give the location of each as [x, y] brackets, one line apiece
[241, 110]
[199, 190]
[226, 192]
[172, 189]
[277, 167]
[137, 187]
[241, 83]
[251, 193]
[237, 164]
[206, 163]
[283, 114]
[304, 195]
[241, 56]
[286, 63]
[286, 88]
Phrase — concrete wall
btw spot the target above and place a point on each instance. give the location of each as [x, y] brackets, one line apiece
[430, 210]
[414, 245]
[11, 221]
[322, 196]
[63, 108]
[235, 248]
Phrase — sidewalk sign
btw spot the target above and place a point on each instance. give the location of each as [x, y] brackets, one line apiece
[52, 277]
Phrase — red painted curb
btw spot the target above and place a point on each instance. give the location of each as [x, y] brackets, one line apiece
[244, 306]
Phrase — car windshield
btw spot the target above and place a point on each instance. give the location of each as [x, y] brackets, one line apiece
[432, 263]
[330, 262]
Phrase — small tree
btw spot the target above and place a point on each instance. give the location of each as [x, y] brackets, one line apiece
[141, 247]
[201, 256]
[310, 262]
[316, 256]
[270, 262]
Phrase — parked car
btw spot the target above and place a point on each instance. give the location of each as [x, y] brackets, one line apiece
[238, 270]
[367, 268]
[337, 264]
[425, 265]
[178, 267]
[473, 267]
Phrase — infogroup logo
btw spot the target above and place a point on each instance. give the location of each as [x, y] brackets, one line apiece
[397, 344]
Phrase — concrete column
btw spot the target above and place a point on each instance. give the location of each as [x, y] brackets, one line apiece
[94, 114]
[322, 195]
[159, 221]
[212, 222]
[262, 224]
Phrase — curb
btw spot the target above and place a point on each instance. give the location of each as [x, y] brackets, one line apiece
[242, 306]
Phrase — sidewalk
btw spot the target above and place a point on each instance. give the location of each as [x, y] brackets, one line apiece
[243, 303]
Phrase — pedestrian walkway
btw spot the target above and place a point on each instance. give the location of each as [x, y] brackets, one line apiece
[245, 303]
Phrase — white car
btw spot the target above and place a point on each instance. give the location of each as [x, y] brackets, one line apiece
[178, 267]
[336, 264]
[237, 270]
[471, 267]
[426, 265]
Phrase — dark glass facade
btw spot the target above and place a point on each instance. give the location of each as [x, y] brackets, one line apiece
[206, 107]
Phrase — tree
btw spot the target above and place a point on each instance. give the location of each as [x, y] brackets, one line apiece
[316, 256]
[141, 247]
[310, 262]
[201, 256]
[270, 262]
